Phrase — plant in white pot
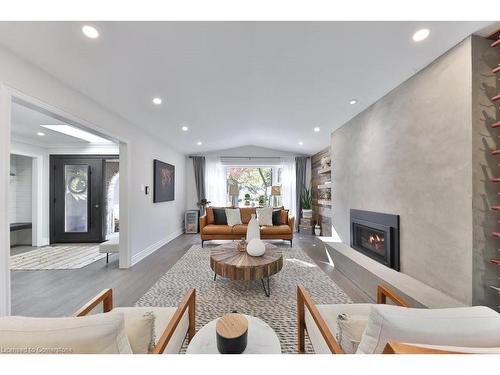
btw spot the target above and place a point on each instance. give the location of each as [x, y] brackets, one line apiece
[306, 203]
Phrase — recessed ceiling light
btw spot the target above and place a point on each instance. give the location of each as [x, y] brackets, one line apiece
[301, 143]
[40, 134]
[199, 143]
[185, 128]
[317, 129]
[90, 32]
[421, 35]
[77, 133]
[157, 101]
[353, 101]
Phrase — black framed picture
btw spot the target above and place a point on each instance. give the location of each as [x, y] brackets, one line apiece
[163, 182]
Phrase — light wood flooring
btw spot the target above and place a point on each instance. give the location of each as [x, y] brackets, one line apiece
[61, 292]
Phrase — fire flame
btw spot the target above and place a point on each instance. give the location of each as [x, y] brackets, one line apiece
[376, 240]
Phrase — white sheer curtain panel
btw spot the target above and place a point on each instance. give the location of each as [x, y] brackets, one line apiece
[215, 180]
[288, 184]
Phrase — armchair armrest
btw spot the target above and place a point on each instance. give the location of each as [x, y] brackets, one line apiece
[105, 297]
[203, 222]
[187, 303]
[398, 348]
[291, 223]
[304, 300]
[383, 292]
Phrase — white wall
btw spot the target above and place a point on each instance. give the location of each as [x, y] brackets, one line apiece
[410, 154]
[150, 224]
[244, 151]
[40, 189]
[20, 209]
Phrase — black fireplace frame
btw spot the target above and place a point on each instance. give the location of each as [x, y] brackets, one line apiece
[387, 223]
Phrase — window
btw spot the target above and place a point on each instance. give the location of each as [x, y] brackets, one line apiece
[254, 184]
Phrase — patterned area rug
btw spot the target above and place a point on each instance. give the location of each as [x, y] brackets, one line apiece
[60, 257]
[216, 298]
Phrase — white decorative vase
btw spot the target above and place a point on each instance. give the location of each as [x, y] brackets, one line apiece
[253, 229]
[256, 248]
[317, 230]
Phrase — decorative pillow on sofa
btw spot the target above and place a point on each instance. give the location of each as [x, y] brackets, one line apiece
[350, 329]
[140, 328]
[94, 334]
[233, 216]
[284, 217]
[477, 326]
[220, 216]
[276, 217]
[265, 216]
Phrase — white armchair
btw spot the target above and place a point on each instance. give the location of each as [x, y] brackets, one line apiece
[125, 330]
[379, 328]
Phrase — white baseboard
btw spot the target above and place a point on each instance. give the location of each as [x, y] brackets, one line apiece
[136, 258]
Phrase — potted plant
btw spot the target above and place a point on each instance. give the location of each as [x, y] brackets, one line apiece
[306, 203]
[247, 199]
[203, 204]
[262, 200]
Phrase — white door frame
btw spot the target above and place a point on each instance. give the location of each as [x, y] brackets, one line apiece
[7, 95]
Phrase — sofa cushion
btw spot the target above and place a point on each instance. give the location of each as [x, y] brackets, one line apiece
[246, 214]
[276, 230]
[329, 314]
[265, 216]
[94, 334]
[233, 216]
[217, 229]
[163, 315]
[140, 326]
[240, 229]
[220, 216]
[284, 217]
[476, 326]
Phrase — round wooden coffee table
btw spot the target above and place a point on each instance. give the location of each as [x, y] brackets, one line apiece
[227, 261]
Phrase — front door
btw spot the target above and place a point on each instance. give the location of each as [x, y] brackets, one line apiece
[76, 189]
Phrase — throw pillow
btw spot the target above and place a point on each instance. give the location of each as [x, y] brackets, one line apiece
[265, 216]
[350, 329]
[476, 326]
[233, 216]
[93, 334]
[276, 217]
[284, 217]
[140, 328]
[220, 216]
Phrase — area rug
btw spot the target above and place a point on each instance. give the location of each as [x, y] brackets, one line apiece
[59, 257]
[215, 298]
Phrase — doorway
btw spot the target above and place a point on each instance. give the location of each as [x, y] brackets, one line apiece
[78, 198]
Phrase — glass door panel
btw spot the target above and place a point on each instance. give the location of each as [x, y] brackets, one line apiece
[76, 204]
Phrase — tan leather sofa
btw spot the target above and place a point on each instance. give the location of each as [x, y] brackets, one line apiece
[211, 231]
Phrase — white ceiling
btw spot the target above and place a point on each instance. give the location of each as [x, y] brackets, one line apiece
[234, 83]
[26, 123]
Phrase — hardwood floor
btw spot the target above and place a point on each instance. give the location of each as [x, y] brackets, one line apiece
[61, 292]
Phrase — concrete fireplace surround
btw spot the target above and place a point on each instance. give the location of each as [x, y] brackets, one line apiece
[422, 152]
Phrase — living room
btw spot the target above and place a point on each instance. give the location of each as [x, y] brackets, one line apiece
[262, 187]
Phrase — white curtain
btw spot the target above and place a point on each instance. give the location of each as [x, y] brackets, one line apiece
[288, 184]
[215, 180]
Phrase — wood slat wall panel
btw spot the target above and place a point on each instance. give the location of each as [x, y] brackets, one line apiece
[321, 208]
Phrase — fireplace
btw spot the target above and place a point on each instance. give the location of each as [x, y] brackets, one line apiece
[376, 235]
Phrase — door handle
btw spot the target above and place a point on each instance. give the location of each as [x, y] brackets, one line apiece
[96, 206]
